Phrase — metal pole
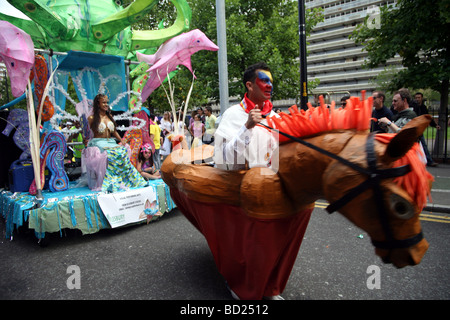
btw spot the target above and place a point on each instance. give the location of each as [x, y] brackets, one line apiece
[303, 74]
[222, 58]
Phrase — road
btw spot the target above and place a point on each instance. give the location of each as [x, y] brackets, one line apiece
[170, 260]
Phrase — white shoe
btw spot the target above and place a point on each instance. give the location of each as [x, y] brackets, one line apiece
[234, 295]
[277, 297]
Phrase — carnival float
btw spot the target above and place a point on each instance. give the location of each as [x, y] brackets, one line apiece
[94, 45]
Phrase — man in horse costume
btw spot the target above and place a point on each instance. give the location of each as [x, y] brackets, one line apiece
[254, 205]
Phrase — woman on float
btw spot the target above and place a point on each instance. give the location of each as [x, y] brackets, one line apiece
[111, 170]
[103, 125]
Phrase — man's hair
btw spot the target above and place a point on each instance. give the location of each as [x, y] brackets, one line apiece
[404, 94]
[208, 108]
[380, 94]
[345, 98]
[250, 73]
[420, 93]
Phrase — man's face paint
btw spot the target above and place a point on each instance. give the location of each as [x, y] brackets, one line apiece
[264, 82]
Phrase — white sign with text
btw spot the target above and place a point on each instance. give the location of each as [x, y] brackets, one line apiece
[126, 207]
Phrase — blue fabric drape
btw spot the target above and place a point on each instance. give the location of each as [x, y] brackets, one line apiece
[107, 65]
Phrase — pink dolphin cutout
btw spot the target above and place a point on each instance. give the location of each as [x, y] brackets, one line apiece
[172, 53]
[17, 52]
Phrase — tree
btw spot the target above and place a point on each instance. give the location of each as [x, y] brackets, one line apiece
[263, 30]
[417, 30]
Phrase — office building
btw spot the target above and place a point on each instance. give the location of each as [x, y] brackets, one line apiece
[335, 59]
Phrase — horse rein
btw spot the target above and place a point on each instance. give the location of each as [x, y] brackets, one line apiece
[375, 176]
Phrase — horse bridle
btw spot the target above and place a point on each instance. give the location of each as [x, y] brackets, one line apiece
[374, 178]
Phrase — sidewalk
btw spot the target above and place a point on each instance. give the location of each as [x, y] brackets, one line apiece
[440, 190]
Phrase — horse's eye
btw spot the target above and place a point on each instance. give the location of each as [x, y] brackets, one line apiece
[12, 64]
[401, 208]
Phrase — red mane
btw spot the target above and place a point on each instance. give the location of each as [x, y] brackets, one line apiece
[417, 182]
[356, 115]
[301, 123]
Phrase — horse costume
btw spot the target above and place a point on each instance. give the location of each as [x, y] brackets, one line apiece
[254, 220]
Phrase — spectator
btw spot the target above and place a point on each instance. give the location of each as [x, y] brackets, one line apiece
[401, 102]
[379, 110]
[210, 126]
[420, 108]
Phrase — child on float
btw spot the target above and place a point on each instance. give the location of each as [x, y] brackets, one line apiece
[145, 164]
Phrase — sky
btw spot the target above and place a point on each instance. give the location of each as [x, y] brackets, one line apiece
[8, 9]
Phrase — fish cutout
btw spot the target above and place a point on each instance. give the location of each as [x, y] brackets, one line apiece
[150, 210]
[17, 53]
[174, 52]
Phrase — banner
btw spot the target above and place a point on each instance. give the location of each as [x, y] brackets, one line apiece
[126, 207]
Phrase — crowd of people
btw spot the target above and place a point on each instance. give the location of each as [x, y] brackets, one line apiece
[199, 129]
[404, 107]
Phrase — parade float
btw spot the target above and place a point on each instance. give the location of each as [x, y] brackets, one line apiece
[89, 42]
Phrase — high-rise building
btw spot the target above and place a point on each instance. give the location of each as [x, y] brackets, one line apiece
[335, 59]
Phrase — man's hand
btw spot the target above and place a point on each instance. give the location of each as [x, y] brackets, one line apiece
[254, 117]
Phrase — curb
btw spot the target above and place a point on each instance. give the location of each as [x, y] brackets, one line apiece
[437, 208]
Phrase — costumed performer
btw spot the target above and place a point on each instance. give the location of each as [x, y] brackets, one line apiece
[102, 124]
[119, 171]
[239, 143]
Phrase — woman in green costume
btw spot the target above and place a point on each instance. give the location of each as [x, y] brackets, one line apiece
[103, 125]
[120, 173]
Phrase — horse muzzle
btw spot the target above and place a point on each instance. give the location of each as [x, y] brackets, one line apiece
[402, 257]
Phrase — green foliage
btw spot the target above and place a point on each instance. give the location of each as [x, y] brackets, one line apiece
[419, 33]
[260, 30]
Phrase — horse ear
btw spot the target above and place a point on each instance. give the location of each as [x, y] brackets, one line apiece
[405, 139]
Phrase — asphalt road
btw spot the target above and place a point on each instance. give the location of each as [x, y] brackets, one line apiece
[170, 260]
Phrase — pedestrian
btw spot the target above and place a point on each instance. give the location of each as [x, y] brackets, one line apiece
[401, 102]
[210, 125]
[379, 111]
[201, 114]
[420, 108]
[166, 129]
[197, 129]
[344, 101]
[155, 136]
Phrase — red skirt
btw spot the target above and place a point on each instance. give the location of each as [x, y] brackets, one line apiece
[255, 256]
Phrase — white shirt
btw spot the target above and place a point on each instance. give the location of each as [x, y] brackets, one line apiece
[165, 125]
[235, 144]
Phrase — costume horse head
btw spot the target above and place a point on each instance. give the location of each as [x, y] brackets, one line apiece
[377, 181]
